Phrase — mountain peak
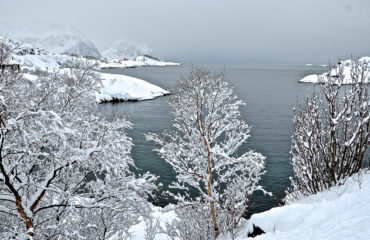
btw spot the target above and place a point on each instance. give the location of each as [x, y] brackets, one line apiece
[55, 37]
[125, 49]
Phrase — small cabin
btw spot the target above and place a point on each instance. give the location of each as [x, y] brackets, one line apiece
[11, 67]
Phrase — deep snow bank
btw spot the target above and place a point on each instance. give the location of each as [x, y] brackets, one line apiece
[124, 88]
[339, 213]
[346, 67]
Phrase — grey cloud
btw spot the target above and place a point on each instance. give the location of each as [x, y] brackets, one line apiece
[239, 30]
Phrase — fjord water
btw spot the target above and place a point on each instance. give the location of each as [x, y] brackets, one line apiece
[270, 91]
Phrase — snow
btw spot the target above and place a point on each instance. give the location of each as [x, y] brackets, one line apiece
[125, 49]
[315, 65]
[140, 61]
[114, 87]
[314, 78]
[121, 87]
[339, 213]
[164, 215]
[117, 87]
[57, 38]
[334, 72]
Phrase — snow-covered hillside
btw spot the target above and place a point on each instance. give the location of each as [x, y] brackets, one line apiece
[114, 87]
[124, 49]
[52, 43]
[346, 67]
[31, 57]
[57, 38]
[339, 213]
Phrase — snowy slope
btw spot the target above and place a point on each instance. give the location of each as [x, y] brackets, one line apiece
[57, 38]
[347, 66]
[339, 213]
[123, 88]
[124, 49]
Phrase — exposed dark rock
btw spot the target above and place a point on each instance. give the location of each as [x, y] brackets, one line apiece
[256, 231]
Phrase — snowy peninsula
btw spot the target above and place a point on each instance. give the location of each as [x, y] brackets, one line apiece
[124, 88]
[345, 67]
[113, 87]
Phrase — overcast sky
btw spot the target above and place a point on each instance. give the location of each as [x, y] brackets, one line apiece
[202, 30]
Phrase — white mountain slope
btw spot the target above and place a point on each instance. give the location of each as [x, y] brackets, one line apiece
[125, 49]
[57, 38]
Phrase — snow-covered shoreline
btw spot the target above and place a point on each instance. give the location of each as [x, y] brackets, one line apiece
[117, 87]
[125, 88]
[345, 68]
[114, 87]
[140, 61]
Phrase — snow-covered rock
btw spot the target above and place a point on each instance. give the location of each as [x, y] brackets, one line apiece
[124, 49]
[346, 68]
[339, 213]
[57, 38]
[125, 88]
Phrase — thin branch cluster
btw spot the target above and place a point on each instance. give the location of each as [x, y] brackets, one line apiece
[202, 148]
[331, 134]
[64, 171]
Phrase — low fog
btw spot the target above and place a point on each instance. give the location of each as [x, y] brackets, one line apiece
[238, 31]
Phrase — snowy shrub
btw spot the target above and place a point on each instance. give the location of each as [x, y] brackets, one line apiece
[202, 148]
[331, 134]
[64, 171]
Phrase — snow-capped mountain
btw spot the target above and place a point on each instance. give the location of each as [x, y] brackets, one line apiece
[125, 49]
[57, 38]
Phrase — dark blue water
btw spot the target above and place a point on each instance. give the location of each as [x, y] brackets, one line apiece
[270, 91]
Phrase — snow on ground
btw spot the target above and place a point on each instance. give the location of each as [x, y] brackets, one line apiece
[347, 66]
[54, 61]
[126, 49]
[121, 87]
[31, 58]
[315, 65]
[339, 213]
[55, 37]
[164, 215]
[140, 61]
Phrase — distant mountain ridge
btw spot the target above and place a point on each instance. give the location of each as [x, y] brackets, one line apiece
[125, 49]
[57, 38]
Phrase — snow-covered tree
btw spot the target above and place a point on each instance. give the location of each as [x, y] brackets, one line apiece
[64, 171]
[331, 133]
[202, 148]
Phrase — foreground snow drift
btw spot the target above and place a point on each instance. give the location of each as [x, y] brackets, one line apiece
[334, 72]
[339, 213]
[125, 88]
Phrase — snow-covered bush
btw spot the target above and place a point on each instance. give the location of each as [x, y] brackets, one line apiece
[202, 148]
[331, 134]
[64, 171]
